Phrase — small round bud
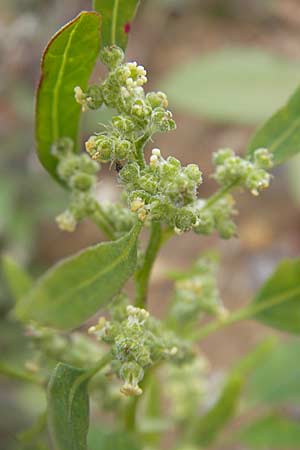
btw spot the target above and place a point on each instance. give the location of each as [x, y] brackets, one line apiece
[80, 98]
[63, 147]
[94, 97]
[222, 155]
[112, 56]
[130, 173]
[193, 172]
[263, 158]
[122, 149]
[66, 221]
[137, 204]
[156, 152]
[157, 99]
[82, 181]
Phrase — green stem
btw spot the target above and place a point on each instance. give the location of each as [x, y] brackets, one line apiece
[106, 359]
[139, 147]
[143, 274]
[219, 194]
[100, 218]
[245, 313]
[131, 409]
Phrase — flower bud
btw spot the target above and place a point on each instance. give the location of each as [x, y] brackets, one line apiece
[112, 56]
[131, 373]
[63, 147]
[82, 181]
[66, 221]
[157, 99]
[94, 97]
[263, 158]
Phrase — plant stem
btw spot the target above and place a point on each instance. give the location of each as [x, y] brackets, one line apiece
[97, 367]
[100, 218]
[245, 313]
[139, 146]
[143, 274]
[219, 194]
[131, 409]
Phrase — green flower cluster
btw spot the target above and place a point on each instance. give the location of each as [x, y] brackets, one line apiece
[79, 174]
[140, 115]
[196, 292]
[232, 169]
[187, 386]
[163, 191]
[216, 217]
[138, 341]
[50, 347]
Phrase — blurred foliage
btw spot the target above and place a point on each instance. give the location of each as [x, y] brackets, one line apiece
[233, 85]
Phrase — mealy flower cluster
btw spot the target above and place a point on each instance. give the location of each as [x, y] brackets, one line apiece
[162, 190]
[138, 341]
[196, 292]
[79, 174]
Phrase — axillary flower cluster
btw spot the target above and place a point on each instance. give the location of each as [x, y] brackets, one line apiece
[161, 189]
[158, 190]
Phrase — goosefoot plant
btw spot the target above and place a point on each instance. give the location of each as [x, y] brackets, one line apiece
[145, 372]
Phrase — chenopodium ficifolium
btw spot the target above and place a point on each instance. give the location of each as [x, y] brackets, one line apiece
[161, 189]
[138, 341]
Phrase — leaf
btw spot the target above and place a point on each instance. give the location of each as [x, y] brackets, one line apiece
[117, 16]
[18, 281]
[74, 289]
[280, 134]
[68, 408]
[277, 379]
[213, 422]
[241, 85]
[67, 62]
[221, 413]
[278, 302]
[272, 431]
[100, 439]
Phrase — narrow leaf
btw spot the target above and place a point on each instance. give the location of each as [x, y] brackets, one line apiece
[67, 62]
[279, 298]
[212, 423]
[117, 16]
[68, 408]
[18, 281]
[272, 431]
[102, 439]
[277, 379]
[74, 289]
[221, 413]
[280, 134]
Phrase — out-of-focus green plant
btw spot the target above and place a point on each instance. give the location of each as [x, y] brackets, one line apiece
[136, 362]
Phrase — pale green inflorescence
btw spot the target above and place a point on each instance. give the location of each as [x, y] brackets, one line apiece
[162, 190]
[138, 341]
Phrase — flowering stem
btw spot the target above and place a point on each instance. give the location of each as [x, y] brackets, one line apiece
[245, 313]
[100, 218]
[143, 274]
[219, 194]
[139, 145]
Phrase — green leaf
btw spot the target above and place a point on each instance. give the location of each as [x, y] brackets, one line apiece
[74, 289]
[280, 134]
[278, 301]
[272, 431]
[18, 281]
[212, 423]
[117, 16]
[100, 439]
[221, 413]
[277, 379]
[241, 85]
[68, 408]
[67, 62]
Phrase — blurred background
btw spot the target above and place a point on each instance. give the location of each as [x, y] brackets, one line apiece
[226, 66]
